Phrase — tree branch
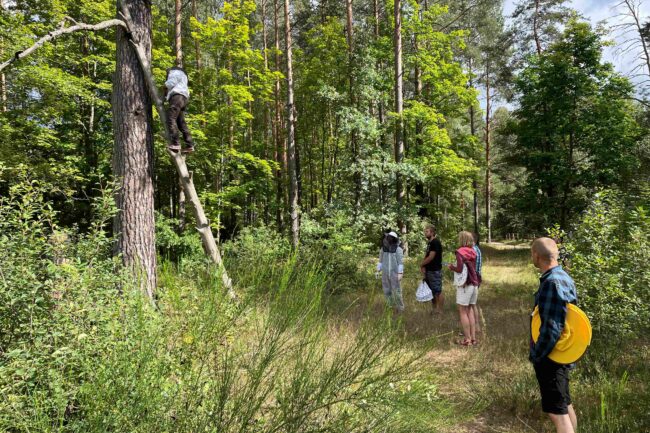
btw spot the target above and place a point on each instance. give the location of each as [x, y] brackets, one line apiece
[59, 32]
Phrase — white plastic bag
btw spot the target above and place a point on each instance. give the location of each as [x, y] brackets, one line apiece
[460, 278]
[423, 293]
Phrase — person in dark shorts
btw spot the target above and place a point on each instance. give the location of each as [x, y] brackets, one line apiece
[431, 267]
[556, 290]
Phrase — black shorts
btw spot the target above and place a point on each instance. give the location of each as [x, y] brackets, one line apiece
[553, 382]
[434, 281]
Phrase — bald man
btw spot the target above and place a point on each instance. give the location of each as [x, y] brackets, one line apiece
[556, 290]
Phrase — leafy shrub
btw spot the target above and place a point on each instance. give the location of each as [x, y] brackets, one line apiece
[609, 253]
[336, 246]
[84, 351]
[172, 245]
[54, 286]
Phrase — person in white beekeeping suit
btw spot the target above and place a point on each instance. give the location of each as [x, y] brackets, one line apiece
[391, 267]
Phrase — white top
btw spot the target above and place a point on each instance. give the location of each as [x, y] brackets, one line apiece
[176, 84]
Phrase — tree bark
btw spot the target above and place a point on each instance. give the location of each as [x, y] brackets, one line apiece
[133, 153]
[353, 103]
[399, 108]
[3, 79]
[291, 143]
[538, 43]
[488, 173]
[199, 62]
[472, 128]
[280, 154]
[178, 48]
[178, 45]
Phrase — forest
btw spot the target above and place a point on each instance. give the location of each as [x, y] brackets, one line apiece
[234, 286]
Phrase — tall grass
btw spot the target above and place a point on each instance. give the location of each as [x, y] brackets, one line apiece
[96, 357]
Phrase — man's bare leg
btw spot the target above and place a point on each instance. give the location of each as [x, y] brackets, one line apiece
[562, 423]
[574, 418]
[440, 302]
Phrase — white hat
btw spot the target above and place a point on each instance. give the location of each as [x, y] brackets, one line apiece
[393, 234]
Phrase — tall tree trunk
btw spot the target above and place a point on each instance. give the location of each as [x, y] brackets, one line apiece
[178, 45]
[399, 108]
[472, 128]
[291, 143]
[267, 114]
[353, 104]
[133, 154]
[380, 108]
[3, 79]
[417, 85]
[199, 61]
[178, 49]
[538, 42]
[277, 128]
[488, 172]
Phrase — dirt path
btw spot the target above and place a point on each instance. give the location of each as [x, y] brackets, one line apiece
[483, 380]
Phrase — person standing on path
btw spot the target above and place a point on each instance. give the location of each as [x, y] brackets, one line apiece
[392, 268]
[467, 290]
[177, 94]
[479, 268]
[556, 290]
[431, 267]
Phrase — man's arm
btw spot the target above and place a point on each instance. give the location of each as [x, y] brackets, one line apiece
[552, 312]
[428, 259]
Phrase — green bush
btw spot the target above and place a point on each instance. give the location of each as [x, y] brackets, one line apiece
[609, 253]
[83, 351]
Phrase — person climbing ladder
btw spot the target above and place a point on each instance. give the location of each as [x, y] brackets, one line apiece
[178, 94]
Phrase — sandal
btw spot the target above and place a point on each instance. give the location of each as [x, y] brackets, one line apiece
[474, 342]
[188, 149]
[174, 148]
[465, 343]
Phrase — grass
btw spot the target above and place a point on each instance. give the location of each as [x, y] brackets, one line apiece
[492, 388]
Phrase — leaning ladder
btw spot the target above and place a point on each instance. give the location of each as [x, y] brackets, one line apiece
[202, 224]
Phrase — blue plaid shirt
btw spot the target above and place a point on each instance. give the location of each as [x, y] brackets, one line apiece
[556, 289]
[479, 260]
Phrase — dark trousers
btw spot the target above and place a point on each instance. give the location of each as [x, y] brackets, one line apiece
[176, 120]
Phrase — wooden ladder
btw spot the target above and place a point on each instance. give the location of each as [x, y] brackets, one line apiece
[202, 224]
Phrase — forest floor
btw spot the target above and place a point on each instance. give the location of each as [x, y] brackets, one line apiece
[492, 387]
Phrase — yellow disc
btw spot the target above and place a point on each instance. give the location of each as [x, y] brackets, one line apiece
[575, 338]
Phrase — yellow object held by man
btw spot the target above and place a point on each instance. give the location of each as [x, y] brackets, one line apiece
[575, 337]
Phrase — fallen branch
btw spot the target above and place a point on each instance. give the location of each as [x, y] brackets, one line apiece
[202, 223]
[61, 31]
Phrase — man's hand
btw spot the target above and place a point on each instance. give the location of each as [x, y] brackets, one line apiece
[423, 270]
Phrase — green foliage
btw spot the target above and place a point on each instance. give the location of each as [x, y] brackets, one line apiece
[85, 352]
[57, 121]
[575, 128]
[607, 251]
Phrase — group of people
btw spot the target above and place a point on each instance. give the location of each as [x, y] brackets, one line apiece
[467, 280]
[556, 291]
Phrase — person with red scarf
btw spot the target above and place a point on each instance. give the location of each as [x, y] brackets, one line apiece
[467, 290]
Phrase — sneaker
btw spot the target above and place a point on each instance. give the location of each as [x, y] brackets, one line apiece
[188, 149]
